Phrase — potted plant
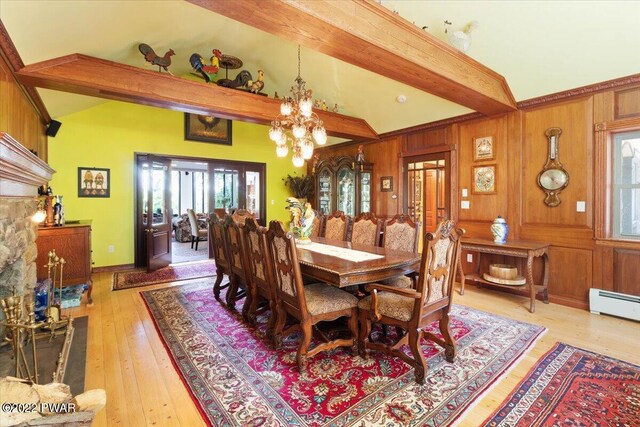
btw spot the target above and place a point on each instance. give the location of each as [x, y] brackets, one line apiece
[300, 186]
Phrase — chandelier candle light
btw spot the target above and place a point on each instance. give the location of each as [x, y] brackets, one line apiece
[296, 112]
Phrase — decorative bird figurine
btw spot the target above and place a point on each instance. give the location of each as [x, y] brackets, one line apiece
[153, 59]
[209, 72]
[301, 219]
[258, 85]
[239, 82]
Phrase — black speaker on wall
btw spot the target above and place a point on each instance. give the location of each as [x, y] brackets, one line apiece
[53, 128]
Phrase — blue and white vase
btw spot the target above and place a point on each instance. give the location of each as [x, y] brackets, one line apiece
[500, 229]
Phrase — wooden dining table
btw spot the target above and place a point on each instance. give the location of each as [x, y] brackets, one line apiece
[342, 271]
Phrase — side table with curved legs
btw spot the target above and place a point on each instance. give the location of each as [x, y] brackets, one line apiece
[515, 248]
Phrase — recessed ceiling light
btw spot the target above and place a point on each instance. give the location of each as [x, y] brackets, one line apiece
[401, 99]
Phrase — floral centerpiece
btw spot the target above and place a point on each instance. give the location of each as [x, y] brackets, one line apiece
[301, 219]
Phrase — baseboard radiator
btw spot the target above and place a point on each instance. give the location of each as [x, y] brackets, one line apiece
[614, 303]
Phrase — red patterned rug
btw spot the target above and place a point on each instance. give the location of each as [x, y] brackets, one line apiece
[237, 379]
[570, 386]
[172, 273]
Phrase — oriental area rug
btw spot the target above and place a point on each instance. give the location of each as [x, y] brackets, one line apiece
[237, 379]
[570, 386]
[172, 273]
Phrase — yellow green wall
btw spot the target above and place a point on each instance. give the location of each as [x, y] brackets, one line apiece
[109, 134]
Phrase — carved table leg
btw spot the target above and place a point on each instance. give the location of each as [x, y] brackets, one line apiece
[545, 282]
[461, 273]
[532, 286]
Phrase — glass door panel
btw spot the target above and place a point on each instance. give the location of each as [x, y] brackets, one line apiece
[252, 192]
[324, 192]
[225, 188]
[346, 190]
[365, 191]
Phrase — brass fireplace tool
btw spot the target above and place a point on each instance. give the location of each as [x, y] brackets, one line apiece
[19, 332]
[55, 320]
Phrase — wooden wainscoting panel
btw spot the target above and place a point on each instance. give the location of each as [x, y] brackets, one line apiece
[626, 271]
[627, 103]
[427, 138]
[571, 237]
[571, 275]
[575, 149]
[484, 207]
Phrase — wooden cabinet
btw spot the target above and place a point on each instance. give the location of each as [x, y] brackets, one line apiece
[73, 243]
[341, 184]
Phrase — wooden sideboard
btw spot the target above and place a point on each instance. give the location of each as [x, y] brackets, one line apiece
[73, 243]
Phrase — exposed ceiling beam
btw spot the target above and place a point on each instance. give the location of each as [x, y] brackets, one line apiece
[86, 75]
[368, 35]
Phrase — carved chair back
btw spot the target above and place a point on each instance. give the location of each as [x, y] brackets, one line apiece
[286, 270]
[401, 234]
[257, 255]
[318, 224]
[218, 244]
[336, 226]
[437, 270]
[366, 229]
[240, 216]
[235, 249]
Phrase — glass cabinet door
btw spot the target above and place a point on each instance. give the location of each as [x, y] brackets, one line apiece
[346, 190]
[324, 192]
[365, 192]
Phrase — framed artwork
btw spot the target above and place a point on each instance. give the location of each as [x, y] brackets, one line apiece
[483, 179]
[207, 129]
[94, 182]
[386, 183]
[483, 148]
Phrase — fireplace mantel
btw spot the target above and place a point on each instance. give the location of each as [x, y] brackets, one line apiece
[21, 172]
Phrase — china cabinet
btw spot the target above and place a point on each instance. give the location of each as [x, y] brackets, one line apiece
[342, 184]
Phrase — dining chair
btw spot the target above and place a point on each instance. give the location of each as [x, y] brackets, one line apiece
[336, 226]
[414, 310]
[237, 261]
[318, 224]
[308, 304]
[240, 216]
[197, 233]
[259, 274]
[218, 246]
[401, 233]
[366, 229]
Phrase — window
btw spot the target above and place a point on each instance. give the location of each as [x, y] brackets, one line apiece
[626, 185]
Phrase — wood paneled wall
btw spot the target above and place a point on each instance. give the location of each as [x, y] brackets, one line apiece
[579, 260]
[18, 117]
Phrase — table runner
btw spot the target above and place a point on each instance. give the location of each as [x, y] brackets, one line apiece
[336, 251]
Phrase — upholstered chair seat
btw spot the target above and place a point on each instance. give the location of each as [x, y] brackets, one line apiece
[391, 305]
[402, 282]
[322, 298]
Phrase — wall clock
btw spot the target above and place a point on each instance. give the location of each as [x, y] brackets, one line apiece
[553, 178]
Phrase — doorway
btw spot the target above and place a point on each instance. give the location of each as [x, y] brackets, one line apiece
[201, 184]
[427, 191]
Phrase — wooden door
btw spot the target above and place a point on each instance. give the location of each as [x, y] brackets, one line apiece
[156, 215]
[430, 206]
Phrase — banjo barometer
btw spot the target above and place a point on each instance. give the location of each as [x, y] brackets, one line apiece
[553, 178]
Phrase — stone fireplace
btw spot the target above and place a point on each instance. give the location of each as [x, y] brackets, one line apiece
[21, 173]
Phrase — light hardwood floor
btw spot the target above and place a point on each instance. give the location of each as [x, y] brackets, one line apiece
[126, 357]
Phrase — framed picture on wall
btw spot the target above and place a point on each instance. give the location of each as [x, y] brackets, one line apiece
[386, 183]
[94, 182]
[483, 148]
[483, 179]
[207, 129]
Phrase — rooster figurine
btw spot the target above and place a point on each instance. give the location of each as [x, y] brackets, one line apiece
[153, 59]
[258, 85]
[301, 219]
[209, 72]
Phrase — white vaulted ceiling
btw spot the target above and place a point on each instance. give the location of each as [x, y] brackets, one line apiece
[540, 47]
